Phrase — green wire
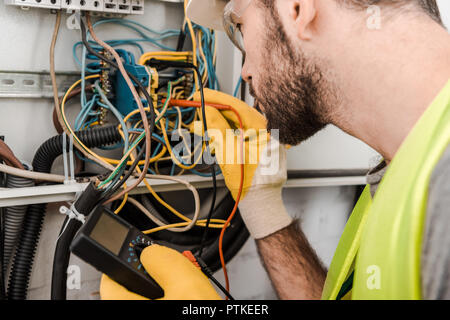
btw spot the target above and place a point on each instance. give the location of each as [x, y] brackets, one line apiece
[114, 173]
[139, 139]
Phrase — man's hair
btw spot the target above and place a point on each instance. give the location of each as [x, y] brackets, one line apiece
[428, 6]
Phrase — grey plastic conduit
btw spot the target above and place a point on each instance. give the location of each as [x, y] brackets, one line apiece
[13, 219]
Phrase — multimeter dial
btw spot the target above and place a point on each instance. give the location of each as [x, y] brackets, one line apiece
[134, 250]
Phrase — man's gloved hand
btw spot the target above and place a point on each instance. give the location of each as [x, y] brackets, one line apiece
[261, 205]
[178, 277]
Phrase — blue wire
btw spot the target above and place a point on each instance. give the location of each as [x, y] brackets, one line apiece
[206, 175]
[121, 121]
[81, 157]
[189, 120]
[208, 42]
[119, 42]
[90, 122]
[236, 90]
[183, 110]
[125, 22]
[155, 152]
[81, 118]
[172, 170]
[150, 170]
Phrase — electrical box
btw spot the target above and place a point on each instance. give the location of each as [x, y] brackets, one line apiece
[27, 107]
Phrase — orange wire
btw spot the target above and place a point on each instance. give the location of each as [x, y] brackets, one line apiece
[196, 104]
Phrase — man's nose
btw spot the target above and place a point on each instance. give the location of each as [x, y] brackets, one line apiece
[246, 74]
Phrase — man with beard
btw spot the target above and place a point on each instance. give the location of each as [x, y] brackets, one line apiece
[311, 63]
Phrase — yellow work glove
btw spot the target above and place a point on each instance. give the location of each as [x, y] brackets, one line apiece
[178, 277]
[261, 205]
[225, 143]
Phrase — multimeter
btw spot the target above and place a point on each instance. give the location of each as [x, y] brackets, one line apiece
[113, 246]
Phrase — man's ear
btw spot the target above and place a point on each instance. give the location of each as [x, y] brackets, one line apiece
[302, 14]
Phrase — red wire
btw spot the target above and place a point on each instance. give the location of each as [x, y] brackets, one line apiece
[196, 104]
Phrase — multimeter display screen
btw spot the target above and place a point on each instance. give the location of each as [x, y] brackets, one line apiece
[110, 233]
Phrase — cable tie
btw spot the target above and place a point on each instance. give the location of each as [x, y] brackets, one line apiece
[71, 160]
[68, 162]
[64, 152]
[72, 213]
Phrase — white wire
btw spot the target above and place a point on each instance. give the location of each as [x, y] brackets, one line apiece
[159, 222]
[31, 174]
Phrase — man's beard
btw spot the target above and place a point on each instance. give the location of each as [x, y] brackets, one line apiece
[292, 91]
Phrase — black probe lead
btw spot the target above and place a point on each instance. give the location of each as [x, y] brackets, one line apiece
[210, 213]
[209, 274]
[162, 64]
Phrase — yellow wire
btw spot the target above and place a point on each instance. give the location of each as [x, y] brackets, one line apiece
[179, 130]
[200, 223]
[168, 53]
[164, 55]
[174, 159]
[165, 204]
[214, 223]
[63, 103]
[183, 157]
[129, 163]
[202, 54]
[124, 201]
[100, 158]
[215, 49]
[150, 189]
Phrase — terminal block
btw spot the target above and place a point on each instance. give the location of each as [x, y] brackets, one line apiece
[107, 7]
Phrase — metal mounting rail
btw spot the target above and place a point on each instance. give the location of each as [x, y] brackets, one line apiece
[18, 84]
[22, 84]
[61, 192]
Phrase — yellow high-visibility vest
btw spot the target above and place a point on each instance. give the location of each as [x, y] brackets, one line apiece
[382, 242]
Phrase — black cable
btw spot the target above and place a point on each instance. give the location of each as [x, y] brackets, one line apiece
[233, 240]
[208, 150]
[244, 84]
[181, 40]
[217, 283]
[209, 274]
[126, 176]
[179, 64]
[29, 237]
[84, 204]
[210, 213]
[61, 258]
[213, 170]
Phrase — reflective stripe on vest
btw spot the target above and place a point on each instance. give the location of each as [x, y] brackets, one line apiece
[382, 240]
